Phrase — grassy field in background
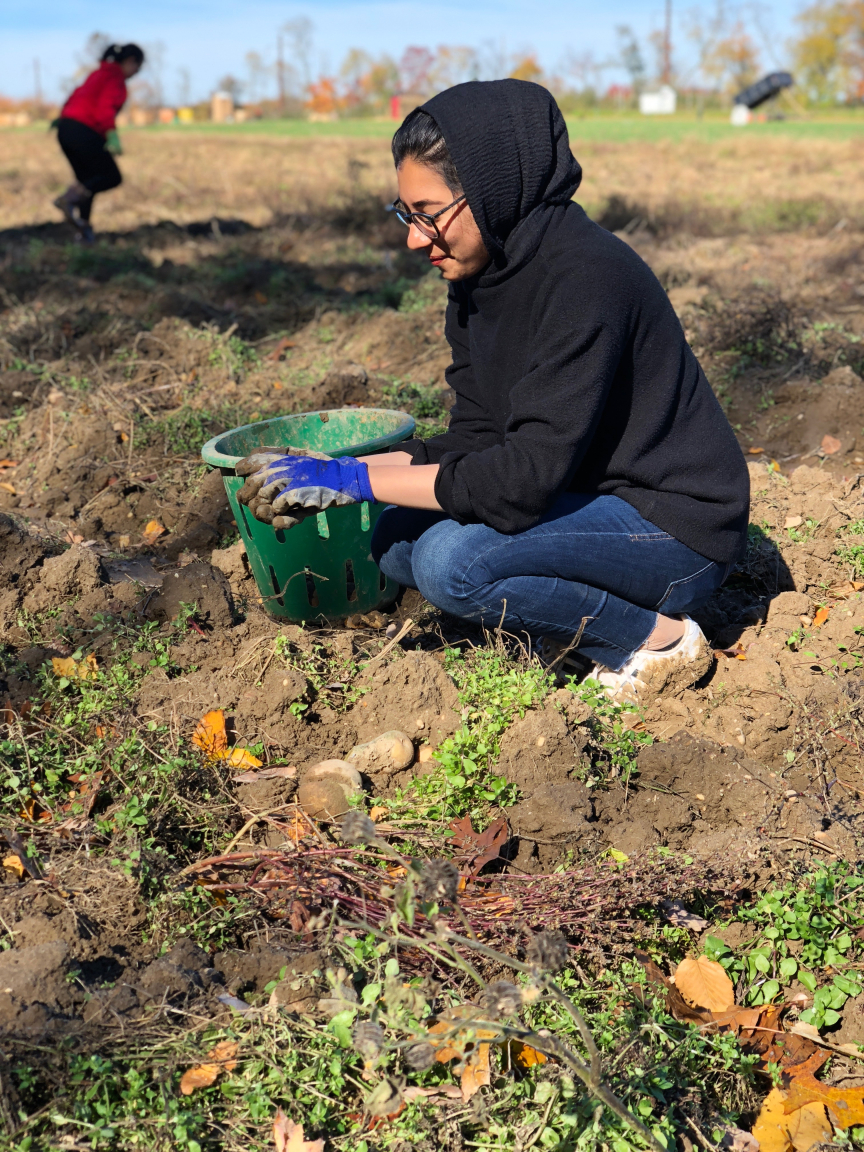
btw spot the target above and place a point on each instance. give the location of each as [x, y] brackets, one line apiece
[702, 176]
[597, 126]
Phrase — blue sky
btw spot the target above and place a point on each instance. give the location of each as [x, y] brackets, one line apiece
[210, 38]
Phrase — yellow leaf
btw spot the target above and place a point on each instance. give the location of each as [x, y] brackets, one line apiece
[241, 758]
[618, 856]
[7, 487]
[85, 669]
[13, 863]
[755, 451]
[220, 1059]
[771, 1129]
[377, 813]
[821, 616]
[200, 1077]
[210, 735]
[773, 466]
[152, 531]
[704, 984]
[779, 1130]
[808, 1126]
[524, 1056]
[288, 1136]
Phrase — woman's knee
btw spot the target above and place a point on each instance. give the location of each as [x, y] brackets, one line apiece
[445, 564]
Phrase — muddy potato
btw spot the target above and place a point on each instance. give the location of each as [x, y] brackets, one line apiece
[324, 798]
[339, 770]
[390, 752]
[328, 788]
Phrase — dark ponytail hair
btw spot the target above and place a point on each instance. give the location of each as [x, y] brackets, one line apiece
[419, 138]
[117, 53]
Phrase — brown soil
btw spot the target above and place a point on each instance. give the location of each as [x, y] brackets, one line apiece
[117, 364]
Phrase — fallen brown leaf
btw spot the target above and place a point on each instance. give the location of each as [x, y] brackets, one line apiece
[288, 1136]
[821, 616]
[469, 1044]
[85, 669]
[830, 445]
[478, 848]
[281, 347]
[13, 864]
[524, 1056]
[780, 1130]
[676, 1005]
[6, 463]
[704, 984]
[7, 487]
[755, 451]
[845, 1105]
[152, 531]
[681, 917]
[210, 735]
[220, 1059]
[241, 758]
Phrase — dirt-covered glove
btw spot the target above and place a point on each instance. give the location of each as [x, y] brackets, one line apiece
[112, 142]
[285, 489]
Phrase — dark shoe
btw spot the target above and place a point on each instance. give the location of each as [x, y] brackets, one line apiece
[85, 233]
[66, 207]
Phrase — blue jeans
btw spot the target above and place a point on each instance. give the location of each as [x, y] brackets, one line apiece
[590, 558]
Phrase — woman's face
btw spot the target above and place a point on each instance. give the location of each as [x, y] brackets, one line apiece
[130, 67]
[458, 251]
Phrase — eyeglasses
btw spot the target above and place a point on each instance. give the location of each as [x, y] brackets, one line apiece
[423, 221]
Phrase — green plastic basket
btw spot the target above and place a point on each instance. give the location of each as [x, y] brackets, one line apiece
[322, 567]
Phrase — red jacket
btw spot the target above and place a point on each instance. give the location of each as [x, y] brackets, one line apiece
[97, 101]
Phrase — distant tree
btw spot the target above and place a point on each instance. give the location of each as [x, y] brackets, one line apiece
[367, 83]
[322, 97]
[527, 68]
[232, 86]
[415, 68]
[454, 64]
[829, 54]
[631, 57]
[299, 38]
[729, 58]
[733, 61]
[258, 73]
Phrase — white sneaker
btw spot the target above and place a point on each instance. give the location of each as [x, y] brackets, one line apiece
[647, 674]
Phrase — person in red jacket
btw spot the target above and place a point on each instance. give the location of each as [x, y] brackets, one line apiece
[87, 133]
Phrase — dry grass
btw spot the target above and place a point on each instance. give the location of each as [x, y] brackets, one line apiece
[709, 186]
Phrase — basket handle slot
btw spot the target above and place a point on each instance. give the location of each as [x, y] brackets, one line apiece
[311, 590]
[245, 521]
[350, 583]
[274, 580]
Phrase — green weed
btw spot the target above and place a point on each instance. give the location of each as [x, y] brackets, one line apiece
[799, 930]
[182, 433]
[493, 691]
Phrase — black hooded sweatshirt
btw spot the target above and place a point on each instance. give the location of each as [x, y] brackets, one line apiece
[570, 368]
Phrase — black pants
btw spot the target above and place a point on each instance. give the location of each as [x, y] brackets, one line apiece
[93, 166]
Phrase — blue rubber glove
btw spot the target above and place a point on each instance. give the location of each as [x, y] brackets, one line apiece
[287, 489]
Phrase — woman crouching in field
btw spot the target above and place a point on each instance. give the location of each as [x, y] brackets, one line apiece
[589, 491]
[87, 133]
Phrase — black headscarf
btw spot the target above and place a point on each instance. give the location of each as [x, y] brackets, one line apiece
[509, 143]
